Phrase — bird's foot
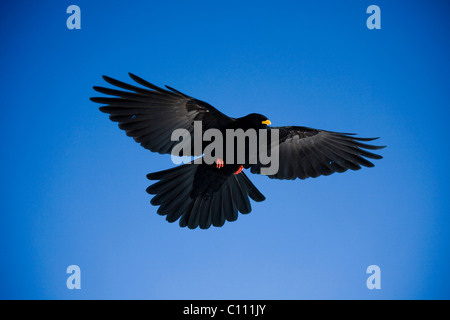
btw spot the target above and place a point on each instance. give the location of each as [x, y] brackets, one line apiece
[239, 170]
[219, 163]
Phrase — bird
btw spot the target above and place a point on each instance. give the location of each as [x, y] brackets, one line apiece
[204, 195]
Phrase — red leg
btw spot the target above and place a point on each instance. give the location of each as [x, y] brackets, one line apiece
[239, 170]
[219, 163]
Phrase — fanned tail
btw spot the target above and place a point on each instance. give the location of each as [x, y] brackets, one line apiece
[218, 200]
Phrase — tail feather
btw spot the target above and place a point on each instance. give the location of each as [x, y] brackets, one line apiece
[252, 191]
[201, 203]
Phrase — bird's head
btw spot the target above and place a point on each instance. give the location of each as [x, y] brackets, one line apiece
[256, 121]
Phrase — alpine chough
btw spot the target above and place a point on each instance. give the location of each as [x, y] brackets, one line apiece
[201, 194]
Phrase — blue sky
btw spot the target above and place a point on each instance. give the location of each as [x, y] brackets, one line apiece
[73, 185]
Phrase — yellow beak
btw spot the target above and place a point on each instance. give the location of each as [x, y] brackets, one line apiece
[266, 122]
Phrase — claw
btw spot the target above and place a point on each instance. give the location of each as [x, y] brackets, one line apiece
[239, 170]
[219, 163]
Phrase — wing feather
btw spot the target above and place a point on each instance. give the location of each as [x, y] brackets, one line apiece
[306, 152]
[150, 114]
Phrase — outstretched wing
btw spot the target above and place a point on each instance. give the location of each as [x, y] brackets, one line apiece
[306, 152]
[151, 114]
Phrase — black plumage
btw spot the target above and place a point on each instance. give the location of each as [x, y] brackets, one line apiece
[207, 194]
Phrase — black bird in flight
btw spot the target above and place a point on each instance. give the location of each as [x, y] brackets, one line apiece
[202, 194]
